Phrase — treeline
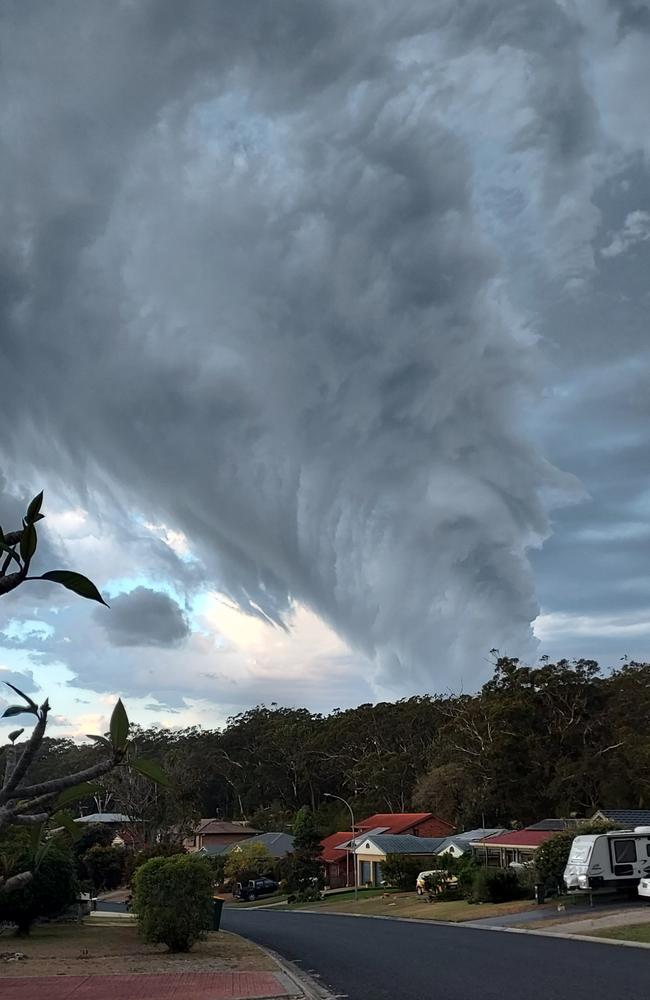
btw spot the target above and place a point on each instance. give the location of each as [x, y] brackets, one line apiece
[551, 740]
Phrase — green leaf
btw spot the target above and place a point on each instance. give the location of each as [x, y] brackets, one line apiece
[21, 694]
[150, 769]
[119, 727]
[34, 508]
[15, 710]
[65, 820]
[99, 739]
[75, 582]
[28, 542]
[16, 733]
[75, 793]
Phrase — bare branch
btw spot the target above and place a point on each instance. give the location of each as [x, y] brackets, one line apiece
[56, 785]
[31, 820]
[16, 882]
[26, 757]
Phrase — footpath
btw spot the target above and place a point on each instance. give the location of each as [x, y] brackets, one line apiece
[143, 986]
[104, 959]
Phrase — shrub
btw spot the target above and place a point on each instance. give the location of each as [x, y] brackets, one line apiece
[106, 866]
[53, 887]
[466, 869]
[402, 871]
[136, 859]
[248, 861]
[305, 871]
[495, 885]
[308, 894]
[173, 900]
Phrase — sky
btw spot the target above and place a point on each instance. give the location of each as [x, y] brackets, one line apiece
[324, 329]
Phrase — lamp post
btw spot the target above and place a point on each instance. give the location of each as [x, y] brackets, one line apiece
[328, 795]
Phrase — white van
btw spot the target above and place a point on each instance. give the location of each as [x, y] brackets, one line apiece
[614, 860]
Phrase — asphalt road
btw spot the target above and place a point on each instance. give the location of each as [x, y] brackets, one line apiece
[367, 959]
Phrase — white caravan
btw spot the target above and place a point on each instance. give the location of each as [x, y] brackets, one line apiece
[613, 860]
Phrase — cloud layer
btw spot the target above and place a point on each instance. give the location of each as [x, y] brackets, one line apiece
[144, 617]
[274, 275]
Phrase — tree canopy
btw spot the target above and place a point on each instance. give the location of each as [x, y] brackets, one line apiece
[543, 740]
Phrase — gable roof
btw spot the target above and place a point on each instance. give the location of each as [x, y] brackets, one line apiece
[332, 851]
[557, 825]
[223, 827]
[404, 843]
[277, 844]
[397, 822]
[463, 840]
[628, 817]
[103, 818]
[213, 850]
[518, 838]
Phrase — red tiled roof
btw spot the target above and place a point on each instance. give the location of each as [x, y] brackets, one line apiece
[519, 838]
[397, 822]
[330, 852]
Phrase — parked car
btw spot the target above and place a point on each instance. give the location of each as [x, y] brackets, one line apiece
[433, 877]
[643, 888]
[254, 888]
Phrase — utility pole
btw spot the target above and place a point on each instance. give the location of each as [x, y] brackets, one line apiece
[329, 795]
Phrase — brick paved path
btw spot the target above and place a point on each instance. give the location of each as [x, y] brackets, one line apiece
[172, 986]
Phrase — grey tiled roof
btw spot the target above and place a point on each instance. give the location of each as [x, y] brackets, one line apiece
[402, 843]
[277, 844]
[550, 824]
[464, 839]
[103, 818]
[212, 850]
[629, 817]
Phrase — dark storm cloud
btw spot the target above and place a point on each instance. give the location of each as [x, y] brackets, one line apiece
[23, 680]
[273, 273]
[144, 617]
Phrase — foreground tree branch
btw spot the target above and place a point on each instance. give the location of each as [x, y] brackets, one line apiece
[35, 804]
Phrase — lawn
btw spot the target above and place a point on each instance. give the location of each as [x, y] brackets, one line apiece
[633, 932]
[409, 904]
[101, 947]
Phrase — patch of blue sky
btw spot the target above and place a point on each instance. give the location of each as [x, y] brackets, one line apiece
[27, 629]
[126, 584]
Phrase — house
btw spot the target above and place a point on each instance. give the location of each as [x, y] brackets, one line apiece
[338, 848]
[415, 824]
[217, 833]
[279, 845]
[337, 859]
[373, 849]
[628, 819]
[118, 823]
[518, 846]
[461, 843]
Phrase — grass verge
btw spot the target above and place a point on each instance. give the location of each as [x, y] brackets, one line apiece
[633, 932]
[103, 948]
[398, 904]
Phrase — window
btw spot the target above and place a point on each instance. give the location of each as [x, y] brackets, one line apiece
[624, 851]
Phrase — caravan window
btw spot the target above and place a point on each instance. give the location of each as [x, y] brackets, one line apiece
[624, 851]
[580, 850]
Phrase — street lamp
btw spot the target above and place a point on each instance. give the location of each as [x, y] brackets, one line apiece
[328, 795]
